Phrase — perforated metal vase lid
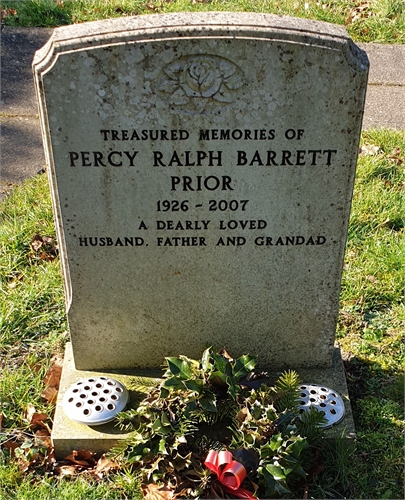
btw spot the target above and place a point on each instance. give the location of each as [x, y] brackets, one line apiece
[324, 399]
[95, 400]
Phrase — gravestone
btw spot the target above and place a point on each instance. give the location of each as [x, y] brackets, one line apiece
[201, 169]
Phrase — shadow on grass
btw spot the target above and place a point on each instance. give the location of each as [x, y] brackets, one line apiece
[367, 379]
[376, 470]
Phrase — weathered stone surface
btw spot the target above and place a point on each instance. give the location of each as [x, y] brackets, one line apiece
[202, 169]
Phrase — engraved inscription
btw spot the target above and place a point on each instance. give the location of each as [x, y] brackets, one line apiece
[197, 82]
[225, 218]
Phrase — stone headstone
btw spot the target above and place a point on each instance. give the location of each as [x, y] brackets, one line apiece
[201, 169]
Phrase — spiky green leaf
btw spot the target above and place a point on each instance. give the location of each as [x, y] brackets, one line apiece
[173, 384]
[222, 364]
[162, 446]
[208, 403]
[296, 447]
[273, 487]
[164, 392]
[194, 385]
[160, 429]
[288, 381]
[180, 368]
[272, 446]
[276, 471]
[233, 386]
[218, 378]
[256, 410]
[244, 365]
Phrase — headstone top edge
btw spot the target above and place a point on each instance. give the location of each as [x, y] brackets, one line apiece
[200, 19]
[76, 36]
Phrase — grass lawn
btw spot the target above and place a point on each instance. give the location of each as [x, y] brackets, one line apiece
[370, 332]
[379, 21]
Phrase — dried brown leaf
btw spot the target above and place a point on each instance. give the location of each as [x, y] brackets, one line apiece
[359, 12]
[36, 368]
[396, 156]
[223, 353]
[47, 256]
[45, 245]
[10, 446]
[242, 415]
[84, 458]
[31, 410]
[36, 242]
[47, 240]
[151, 6]
[104, 465]
[57, 360]
[7, 12]
[67, 470]
[24, 464]
[75, 461]
[50, 458]
[50, 394]
[155, 492]
[43, 438]
[371, 278]
[52, 380]
[370, 150]
[85, 455]
[39, 420]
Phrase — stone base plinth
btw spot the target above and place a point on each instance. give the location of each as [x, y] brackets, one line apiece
[68, 435]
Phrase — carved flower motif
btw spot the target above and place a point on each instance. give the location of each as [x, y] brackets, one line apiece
[201, 78]
[197, 78]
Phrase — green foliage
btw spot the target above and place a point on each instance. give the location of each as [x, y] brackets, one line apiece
[206, 404]
[287, 386]
[280, 461]
[310, 425]
[214, 371]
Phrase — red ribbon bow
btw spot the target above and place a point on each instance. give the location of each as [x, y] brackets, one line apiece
[230, 473]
